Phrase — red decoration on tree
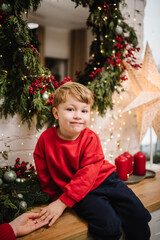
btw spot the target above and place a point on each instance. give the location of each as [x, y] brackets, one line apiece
[21, 168]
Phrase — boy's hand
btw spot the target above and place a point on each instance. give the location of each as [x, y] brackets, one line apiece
[53, 211]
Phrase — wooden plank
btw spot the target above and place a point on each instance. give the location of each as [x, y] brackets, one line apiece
[148, 191]
[70, 227]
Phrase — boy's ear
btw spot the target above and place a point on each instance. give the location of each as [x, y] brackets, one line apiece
[55, 113]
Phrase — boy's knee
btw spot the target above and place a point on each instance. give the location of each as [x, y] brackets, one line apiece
[109, 229]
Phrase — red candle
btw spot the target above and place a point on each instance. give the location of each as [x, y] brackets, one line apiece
[121, 163]
[130, 162]
[140, 164]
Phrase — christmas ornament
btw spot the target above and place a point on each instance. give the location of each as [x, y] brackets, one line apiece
[9, 176]
[23, 205]
[1, 181]
[20, 195]
[119, 30]
[45, 96]
[147, 101]
[6, 7]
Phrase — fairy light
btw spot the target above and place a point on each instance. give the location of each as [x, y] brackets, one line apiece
[22, 143]
[106, 36]
[95, 68]
[30, 154]
[92, 119]
[130, 112]
[91, 126]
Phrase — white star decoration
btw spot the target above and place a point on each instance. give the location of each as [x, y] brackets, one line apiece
[146, 84]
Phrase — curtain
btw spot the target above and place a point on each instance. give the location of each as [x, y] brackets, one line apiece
[78, 52]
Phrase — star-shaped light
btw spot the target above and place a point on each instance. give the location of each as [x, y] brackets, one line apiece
[146, 84]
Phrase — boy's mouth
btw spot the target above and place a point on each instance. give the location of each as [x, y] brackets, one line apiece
[76, 123]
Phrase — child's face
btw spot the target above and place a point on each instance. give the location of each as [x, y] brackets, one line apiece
[73, 117]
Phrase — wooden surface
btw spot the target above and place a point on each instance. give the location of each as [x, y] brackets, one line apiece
[71, 227]
[148, 191]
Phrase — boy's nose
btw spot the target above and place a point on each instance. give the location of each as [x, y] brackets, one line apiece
[77, 114]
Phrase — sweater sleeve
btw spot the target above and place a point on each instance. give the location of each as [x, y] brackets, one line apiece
[6, 232]
[84, 179]
[46, 182]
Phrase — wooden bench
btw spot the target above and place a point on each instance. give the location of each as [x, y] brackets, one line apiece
[71, 227]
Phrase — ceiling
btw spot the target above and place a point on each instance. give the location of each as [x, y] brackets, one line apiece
[60, 14]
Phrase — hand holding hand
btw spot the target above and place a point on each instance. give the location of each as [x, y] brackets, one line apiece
[26, 223]
[53, 211]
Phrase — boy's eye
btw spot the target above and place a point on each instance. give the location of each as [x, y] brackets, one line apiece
[70, 109]
[85, 111]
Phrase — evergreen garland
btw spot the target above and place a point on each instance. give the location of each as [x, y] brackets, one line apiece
[12, 193]
[25, 83]
[114, 42]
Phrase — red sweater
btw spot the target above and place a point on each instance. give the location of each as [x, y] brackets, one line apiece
[6, 232]
[69, 169]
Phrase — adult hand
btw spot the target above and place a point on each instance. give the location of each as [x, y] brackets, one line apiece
[53, 211]
[26, 223]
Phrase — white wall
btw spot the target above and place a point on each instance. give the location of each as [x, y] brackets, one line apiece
[18, 141]
[56, 43]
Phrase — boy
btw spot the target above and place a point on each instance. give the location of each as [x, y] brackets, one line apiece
[72, 170]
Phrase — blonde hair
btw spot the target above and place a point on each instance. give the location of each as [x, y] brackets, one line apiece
[77, 90]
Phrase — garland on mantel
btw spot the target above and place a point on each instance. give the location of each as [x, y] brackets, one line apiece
[27, 87]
